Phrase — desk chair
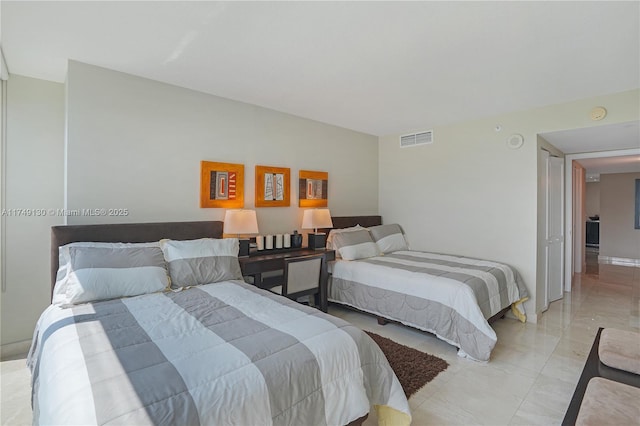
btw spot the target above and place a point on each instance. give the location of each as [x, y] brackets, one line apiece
[301, 277]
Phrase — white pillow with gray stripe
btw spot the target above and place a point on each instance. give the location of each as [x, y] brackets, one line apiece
[63, 252]
[203, 261]
[108, 271]
[335, 232]
[389, 238]
[355, 245]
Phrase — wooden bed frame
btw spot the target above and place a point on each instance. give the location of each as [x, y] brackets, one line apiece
[128, 233]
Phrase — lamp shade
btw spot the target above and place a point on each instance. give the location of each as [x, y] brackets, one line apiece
[240, 222]
[316, 218]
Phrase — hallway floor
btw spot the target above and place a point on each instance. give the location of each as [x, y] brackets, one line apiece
[591, 259]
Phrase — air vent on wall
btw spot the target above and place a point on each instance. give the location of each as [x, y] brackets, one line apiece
[421, 138]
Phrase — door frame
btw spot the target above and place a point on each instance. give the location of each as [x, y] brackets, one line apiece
[563, 230]
[578, 201]
[545, 155]
[569, 225]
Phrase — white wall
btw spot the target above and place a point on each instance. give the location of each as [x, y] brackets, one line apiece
[34, 180]
[592, 199]
[618, 236]
[136, 143]
[469, 194]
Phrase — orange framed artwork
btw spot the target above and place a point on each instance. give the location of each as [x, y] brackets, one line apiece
[273, 186]
[221, 185]
[313, 188]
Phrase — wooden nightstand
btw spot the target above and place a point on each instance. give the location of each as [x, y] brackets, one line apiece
[264, 261]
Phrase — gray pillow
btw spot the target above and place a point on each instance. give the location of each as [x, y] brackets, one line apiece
[109, 272]
[355, 245]
[203, 261]
[389, 238]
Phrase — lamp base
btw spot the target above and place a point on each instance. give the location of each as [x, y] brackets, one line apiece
[317, 241]
[244, 248]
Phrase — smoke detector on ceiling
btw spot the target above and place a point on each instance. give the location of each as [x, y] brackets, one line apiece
[598, 113]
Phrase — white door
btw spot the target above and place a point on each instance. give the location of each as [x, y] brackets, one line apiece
[555, 228]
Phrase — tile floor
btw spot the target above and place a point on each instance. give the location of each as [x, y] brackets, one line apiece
[529, 381]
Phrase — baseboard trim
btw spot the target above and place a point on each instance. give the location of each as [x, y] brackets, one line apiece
[619, 261]
[12, 350]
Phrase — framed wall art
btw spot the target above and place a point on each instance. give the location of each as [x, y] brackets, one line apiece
[313, 188]
[221, 185]
[273, 186]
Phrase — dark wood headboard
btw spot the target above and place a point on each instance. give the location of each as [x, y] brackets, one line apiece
[129, 233]
[349, 221]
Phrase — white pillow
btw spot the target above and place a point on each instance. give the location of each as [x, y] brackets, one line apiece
[355, 245]
[203, 261]
[389, 238]
[335, 232]
[98, 271]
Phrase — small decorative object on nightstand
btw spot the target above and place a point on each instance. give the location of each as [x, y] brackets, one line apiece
[314, 219]
[296, 239]
[241, 222]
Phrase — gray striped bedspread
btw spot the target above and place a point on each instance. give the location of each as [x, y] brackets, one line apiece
[449, 296]
[218, 354]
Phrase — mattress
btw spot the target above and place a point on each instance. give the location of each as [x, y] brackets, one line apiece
[224, 353]
[450, 296]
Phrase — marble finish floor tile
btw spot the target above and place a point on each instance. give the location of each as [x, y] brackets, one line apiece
[535, 413]
[15, 393]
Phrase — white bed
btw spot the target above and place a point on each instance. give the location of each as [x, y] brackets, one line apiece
[452, 297]
[219, 353]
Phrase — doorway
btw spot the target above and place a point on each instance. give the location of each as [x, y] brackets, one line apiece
[597, 142]
[575, 237]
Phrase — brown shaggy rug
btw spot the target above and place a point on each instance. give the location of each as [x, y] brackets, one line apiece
[413, 368]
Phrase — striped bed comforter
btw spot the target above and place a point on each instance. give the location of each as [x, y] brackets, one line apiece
[219, 354]
[449, 296]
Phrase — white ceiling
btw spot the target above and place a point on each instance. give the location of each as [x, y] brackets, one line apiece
[375, 67]
[622, 164]
[598, 138]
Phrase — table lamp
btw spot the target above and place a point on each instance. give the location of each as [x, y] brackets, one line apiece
[241, 222]
[314, 219]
